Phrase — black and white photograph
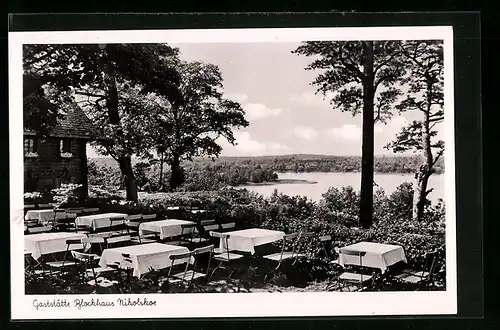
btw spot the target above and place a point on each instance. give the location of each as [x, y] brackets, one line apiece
[259, 168]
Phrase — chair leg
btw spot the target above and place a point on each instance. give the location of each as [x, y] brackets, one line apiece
[214, 270]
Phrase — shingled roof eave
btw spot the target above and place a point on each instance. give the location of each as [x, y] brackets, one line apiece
[90, 137]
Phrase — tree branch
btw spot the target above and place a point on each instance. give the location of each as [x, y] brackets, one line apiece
[41, 58]
[428, 192]
[89, 94]
[439, 154]
[350, 66]
[383, 63]
[436, 119]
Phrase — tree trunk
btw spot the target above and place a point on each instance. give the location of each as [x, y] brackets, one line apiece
[420, 193]
[367, 160]
[160, 182]
[177, 175]
[426, 169]
[125, 163]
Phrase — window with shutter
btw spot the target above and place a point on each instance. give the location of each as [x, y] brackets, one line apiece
[30, 145]
[65, 146]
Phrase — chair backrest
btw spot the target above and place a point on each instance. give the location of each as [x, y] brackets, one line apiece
[176, 257]
[430, 263]
[45, 206]
[134, 221]
[118, 225]
[228, 225]
[133, 224]
[308, 234]
[148, 217]
[359, 254]
[75, 210]
[37, 230]
[30, 222]
[134, 217]
[83, 257]
[209, 225]
[29, 206]
[290, 236]
[207, 222]
[325, 238]
[90, 210]
[92, 239]
[203, 250]
[219, 235]
[70, 242]
[287, 239]
[184, 255]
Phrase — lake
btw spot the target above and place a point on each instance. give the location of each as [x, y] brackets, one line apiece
[325, 180]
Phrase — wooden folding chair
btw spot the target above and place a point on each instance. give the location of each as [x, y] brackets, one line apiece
[289, 253]
[88, 263]
[226, 258]
[328, 249]
[352, 280]
[119, 232]
[424, 276]
[60, 265]
[133, 222]
[189, 235]
[205, 227]
[31, 264]
[192, 273]
[65, 222]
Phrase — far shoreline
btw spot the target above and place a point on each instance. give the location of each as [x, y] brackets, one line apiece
[279, 181]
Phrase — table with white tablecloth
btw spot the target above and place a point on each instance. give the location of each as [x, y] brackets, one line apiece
[144, 257]
[165, 228]
[247, 239]
[377, 255]
[96, 221]
[44, 216]
[47, 243]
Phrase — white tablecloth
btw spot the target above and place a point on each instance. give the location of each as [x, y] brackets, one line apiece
[247, 239]
[46, 243]
[377, 255]
[144, 257]
[44, 216]
[96, 221]
[166, 228]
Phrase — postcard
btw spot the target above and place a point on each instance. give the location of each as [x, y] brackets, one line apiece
[232, 173]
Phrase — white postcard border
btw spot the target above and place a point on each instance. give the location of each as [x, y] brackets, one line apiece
[229, 305]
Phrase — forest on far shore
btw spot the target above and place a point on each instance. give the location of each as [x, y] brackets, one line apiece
[206, 174]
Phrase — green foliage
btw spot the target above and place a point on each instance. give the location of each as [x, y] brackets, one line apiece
[66, 194]
[341, 76]
[104, 175]
[190, 126]
[140, 172]
[198, 176]
[320, 163]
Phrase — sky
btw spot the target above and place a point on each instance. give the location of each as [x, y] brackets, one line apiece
[285, 114]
